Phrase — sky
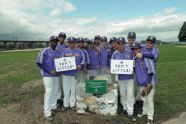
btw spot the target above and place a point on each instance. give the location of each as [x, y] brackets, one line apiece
[39, 19]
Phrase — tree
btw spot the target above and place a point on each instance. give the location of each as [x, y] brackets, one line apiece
[182, 33]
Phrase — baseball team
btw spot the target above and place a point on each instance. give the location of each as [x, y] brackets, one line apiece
[60, 87]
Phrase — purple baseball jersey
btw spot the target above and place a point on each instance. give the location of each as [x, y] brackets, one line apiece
[126, 55]
[79, 58]
[152, 53]
[94, 58]
[141, 72]
[87, 60]
[151, 57]
[128, 47]
[45, 61]
[60, 48]
[104, 55]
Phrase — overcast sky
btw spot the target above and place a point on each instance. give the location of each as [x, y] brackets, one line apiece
[39, 19]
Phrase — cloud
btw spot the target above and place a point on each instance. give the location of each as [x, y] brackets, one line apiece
[170, 10]
[147, 24]
[36, 19]
[31, 19]
[61, 6]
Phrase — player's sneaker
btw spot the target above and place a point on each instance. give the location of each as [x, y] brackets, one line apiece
[141, 115]
[73, 108]
[54, 111]
[132, 118]
[150, 121]
[59, 102]
[123, 112]
[49, 118]
[63, 109]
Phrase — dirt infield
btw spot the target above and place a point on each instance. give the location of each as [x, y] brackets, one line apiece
[30, 111]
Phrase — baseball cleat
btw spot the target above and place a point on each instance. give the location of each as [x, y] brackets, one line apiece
[73, 108]
[63, 109]
[132, 118]
[141, 115]
[49, 118]
[150, 121]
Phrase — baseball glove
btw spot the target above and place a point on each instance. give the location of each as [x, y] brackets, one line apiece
[146, 90]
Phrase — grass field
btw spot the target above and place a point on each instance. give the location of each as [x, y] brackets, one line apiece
[18, 70]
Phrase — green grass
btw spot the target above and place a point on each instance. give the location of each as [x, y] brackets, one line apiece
[18, 67]
[170, 96]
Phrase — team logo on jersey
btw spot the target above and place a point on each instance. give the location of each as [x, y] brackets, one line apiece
[128, 56]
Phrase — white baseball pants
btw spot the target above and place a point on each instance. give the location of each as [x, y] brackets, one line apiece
[127, 98]
[148, 103]
[69, 88]
[50, 97]
[59, 92]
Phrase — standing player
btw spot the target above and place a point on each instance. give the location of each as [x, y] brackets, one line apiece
[146, 76]
[45, 61]
[86, 44]
[126, 81]
[131, 40]
[113, 48]
[60, 48]
[80, 45]
[70, 77]
[97, 40]
[94, 55]
[104, 50]
[61, 40]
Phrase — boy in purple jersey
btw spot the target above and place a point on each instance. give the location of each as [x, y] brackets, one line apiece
[131, 40]
[104, 50]
[70, 77]
[45, 61]
[86, 44]
[113, 48]
[60, 48]
[80, 45]
[126, 81]
[97, 40]
[150, 53]
[61, 39]
[94, 53]
[145, 69]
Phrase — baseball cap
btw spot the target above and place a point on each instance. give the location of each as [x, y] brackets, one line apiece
[132, 35]
[53, 38]
[71, 39]
[121, 40]
[104, 38]
[136, 45]
[151, 38]
[97, 37]
[62, 34]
